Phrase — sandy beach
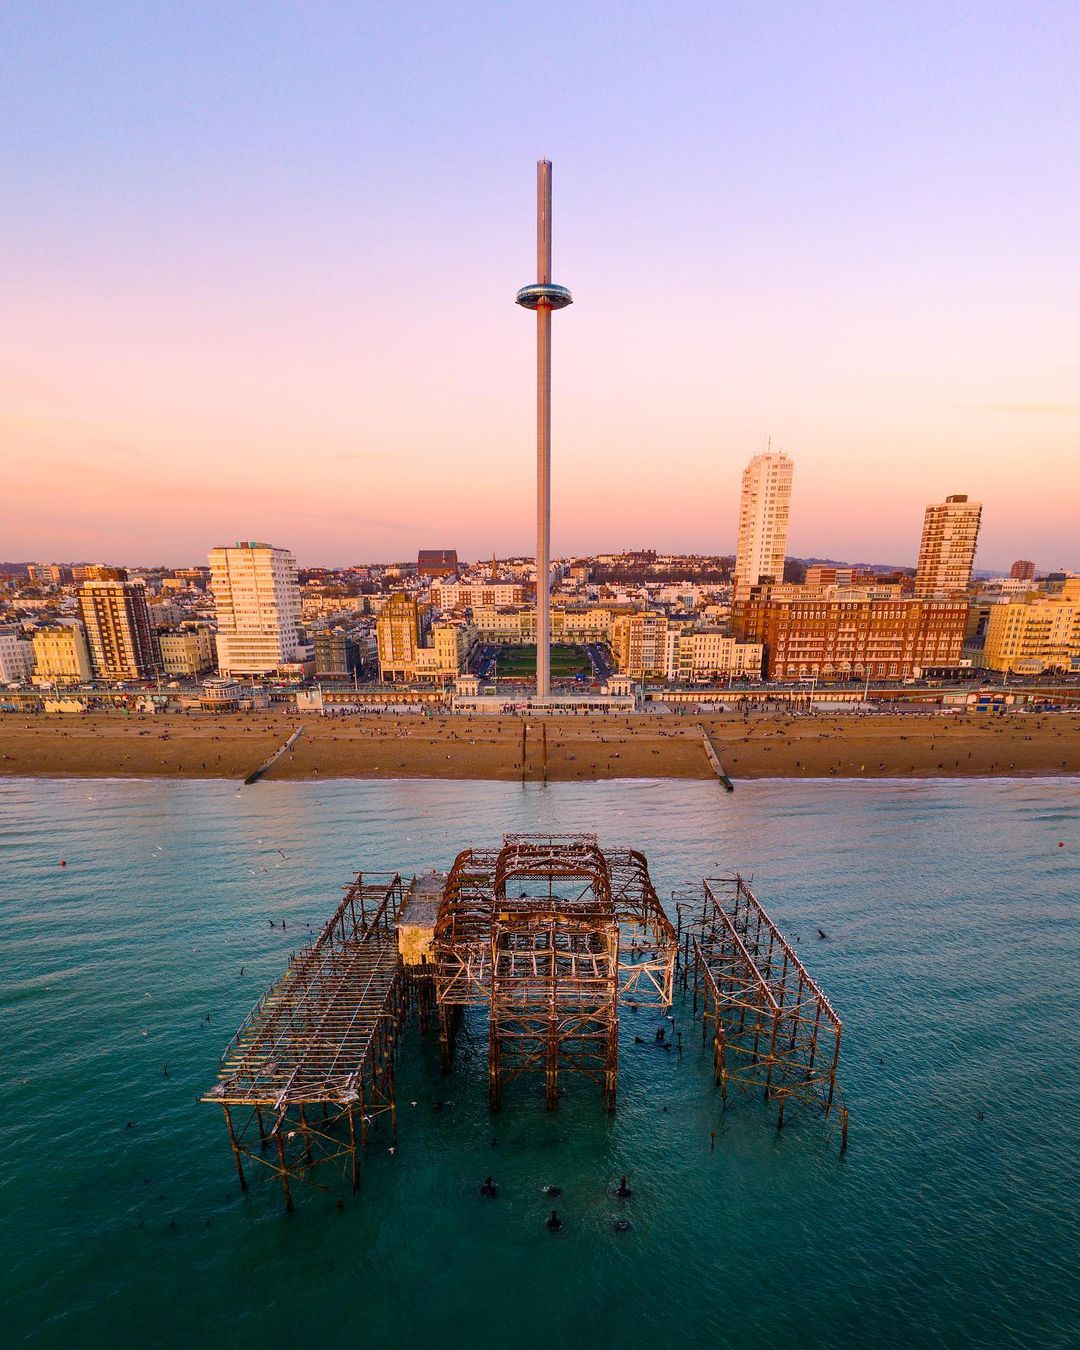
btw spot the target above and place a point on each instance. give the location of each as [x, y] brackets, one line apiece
[760, 744]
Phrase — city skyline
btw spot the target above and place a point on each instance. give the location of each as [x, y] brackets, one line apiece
[222, 321]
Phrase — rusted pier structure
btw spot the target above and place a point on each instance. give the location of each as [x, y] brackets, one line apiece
[311, 1070]
[545, 936]
[770, 1026]
[545, 932]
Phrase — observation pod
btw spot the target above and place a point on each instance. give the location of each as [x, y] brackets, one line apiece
[546, 296]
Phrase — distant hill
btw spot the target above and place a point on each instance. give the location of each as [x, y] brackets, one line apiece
[861, 566]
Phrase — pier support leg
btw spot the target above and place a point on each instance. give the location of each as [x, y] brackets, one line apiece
[236, 1149]
[289, 1206]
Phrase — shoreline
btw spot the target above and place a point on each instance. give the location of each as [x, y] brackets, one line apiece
[774, 745]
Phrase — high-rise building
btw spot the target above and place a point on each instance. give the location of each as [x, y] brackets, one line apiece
[257, 598]
[61, 654]
[1022, 570]
[123, 645]
[947, 551]
[764, 506]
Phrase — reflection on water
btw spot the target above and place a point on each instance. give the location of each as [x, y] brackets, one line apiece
[953, 958]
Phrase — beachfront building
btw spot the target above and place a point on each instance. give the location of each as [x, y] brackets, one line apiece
[123, 644]
[62, 654]
[704, 655]
[337, 654]
[1036, 633]
[640, 644]
[258, 608]
[649, 645]
[448, 653]
[947, 549]
[188, 652]
[764, 507]
[404, 656]
[16, 656]
[835, 632]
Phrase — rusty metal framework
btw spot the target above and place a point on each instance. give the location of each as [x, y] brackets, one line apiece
[311, 1070]
[547, 935]
[771, 1027]
[550, 932]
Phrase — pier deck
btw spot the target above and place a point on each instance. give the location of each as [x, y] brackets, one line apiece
[311, 1068]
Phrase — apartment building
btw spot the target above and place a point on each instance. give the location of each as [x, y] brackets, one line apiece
[123, 644]
[257, 600]
[764, 509]
[947, 548]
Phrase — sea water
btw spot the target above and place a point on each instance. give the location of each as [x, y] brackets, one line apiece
[952, 916]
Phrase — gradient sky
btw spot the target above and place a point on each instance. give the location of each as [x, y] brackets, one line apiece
[257, 266]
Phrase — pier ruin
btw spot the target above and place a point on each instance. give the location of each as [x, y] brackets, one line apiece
[548, 936]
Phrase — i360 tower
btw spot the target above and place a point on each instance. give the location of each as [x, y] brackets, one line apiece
[543, 297]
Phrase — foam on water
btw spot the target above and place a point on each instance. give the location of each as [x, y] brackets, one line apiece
[953, 957]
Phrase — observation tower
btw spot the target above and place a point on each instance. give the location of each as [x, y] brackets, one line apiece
[543, 297]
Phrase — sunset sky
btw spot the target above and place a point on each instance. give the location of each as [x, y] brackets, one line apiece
[258, 264]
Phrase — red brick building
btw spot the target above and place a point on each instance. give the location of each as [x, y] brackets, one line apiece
[833, 634]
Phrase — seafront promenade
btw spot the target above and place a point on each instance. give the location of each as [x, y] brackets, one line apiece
[758, 744]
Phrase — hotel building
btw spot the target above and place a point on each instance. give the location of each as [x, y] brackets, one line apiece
[844, 633]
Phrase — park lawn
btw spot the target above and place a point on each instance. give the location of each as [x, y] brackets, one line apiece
[566, 661]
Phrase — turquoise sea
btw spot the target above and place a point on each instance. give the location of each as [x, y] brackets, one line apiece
[953, 956]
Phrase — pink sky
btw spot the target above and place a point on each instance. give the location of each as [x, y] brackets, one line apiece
[219, 324]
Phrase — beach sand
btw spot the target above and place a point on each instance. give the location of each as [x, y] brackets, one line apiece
[757, 745]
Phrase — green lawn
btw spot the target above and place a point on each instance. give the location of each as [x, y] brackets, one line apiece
[520, 662]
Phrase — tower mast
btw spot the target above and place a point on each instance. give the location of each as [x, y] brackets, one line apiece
[543, 297]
